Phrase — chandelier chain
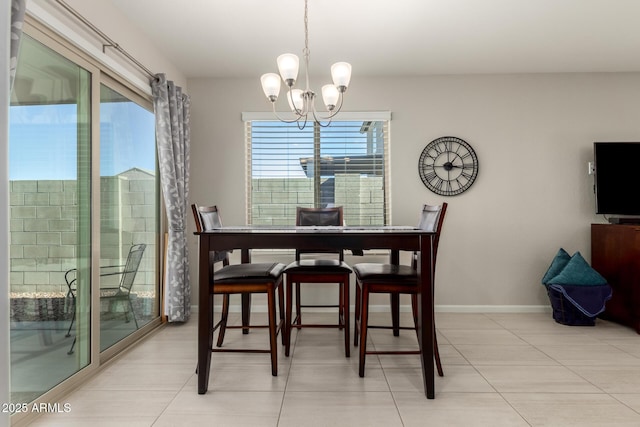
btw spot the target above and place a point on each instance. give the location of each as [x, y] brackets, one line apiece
[306, 28]
[305, 51]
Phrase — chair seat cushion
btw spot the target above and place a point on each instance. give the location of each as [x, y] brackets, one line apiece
[376, 272]
[238, 273]
[322, 266]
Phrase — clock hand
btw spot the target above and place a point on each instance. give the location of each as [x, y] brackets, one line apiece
[449, 166]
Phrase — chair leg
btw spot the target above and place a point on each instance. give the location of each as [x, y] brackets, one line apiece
[73, 319]
[356, 316]
[224, 317]
[298, 309]
[395, 313]
[273, 331]
[414, 308]
[126, 311]
[246, 312]
[287, 318]
[133, 313]
[364, 321]
[281, 313]
[211, 321]
[344, 307]
[341, 309]
[436, 352]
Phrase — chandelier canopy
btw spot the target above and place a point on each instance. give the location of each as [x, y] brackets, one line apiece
[302, 102]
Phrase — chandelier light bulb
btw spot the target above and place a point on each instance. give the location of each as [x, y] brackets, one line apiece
[341, 75]
[330, 96]
[271, 85]
[288, 65]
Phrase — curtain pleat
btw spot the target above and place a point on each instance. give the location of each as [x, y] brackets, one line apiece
[172, 110]
[17, 22]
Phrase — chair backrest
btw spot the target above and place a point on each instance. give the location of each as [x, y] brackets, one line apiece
[431, 219]
[208, 218]
[131, 267]
[320, 217]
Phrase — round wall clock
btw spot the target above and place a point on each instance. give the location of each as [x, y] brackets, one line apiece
[448, 166]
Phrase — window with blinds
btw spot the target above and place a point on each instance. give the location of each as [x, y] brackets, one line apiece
[344, 164]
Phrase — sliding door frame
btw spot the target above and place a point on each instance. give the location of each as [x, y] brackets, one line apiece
[100, 74]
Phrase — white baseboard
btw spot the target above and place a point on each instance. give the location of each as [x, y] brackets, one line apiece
[493, 309]
[235, 308]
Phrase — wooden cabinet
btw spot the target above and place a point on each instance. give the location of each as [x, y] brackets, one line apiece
[615, 254]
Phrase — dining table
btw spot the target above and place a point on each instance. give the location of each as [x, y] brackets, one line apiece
[322, 238]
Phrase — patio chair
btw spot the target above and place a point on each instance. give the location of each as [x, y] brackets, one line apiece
[122, 292]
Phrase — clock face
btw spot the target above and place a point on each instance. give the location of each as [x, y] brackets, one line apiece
[448, 166]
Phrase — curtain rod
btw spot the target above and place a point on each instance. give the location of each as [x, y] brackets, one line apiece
[110, 42]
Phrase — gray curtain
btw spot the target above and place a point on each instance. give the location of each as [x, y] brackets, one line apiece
[17, 22]
[173, 139]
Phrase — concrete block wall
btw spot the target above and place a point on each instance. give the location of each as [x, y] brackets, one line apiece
[43, 229]
[276, 199]
[43, 234]
[362, 198]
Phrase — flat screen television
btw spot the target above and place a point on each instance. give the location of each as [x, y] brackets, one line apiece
[617, 178]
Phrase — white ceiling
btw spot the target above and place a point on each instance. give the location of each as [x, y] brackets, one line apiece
[214, 38]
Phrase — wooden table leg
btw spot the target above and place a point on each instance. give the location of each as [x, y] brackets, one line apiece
[205, 316]
[246, 297]
[394, 298]
[425, 318]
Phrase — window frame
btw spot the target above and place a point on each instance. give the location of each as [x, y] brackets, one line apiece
[378, 116]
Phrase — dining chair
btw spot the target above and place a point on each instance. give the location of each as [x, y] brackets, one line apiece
[318, 271]
[245, 279]
[395, 280]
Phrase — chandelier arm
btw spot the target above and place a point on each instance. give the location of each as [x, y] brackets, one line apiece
[337, 110]
[285, 120]
[297, 112]
[304, 124]
[332, 114]
[319, 119]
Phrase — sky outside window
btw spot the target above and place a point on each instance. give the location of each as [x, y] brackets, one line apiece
[44, 140]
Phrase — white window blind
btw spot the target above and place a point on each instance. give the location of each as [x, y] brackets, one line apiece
[344, 164]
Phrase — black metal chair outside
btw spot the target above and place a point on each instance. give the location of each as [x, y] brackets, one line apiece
[122, 292]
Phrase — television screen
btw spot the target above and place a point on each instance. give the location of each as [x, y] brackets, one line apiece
[617, 177]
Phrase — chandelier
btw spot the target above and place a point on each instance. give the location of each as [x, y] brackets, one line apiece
[302, 102]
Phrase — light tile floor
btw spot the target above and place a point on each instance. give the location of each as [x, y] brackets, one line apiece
[500, 370]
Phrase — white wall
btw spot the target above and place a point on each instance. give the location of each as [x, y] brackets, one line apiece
[533, 135]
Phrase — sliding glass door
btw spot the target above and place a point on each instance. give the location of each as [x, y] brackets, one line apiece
[49, 173]
[84, 211]
[128, 215]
